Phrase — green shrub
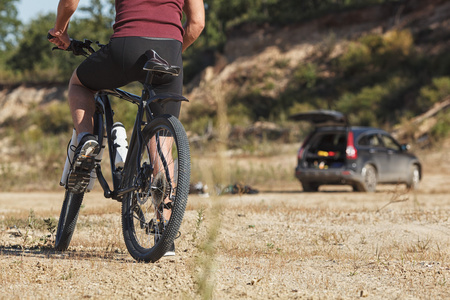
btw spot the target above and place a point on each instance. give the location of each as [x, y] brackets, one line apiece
[442, 127]
[198, 117]
[238, 115]
[306, 75]
[398, 44]
[355, 60]
[392, 49]
[362, 107]
[300, 107]
[433, 93]
[53, 118]
[373, 41]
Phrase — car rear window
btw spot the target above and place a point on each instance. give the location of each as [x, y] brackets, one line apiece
[329, 142]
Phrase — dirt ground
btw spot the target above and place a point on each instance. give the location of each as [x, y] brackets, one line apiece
[335, 244]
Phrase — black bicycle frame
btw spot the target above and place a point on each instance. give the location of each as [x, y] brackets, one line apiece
[103, 120]
[151, 104]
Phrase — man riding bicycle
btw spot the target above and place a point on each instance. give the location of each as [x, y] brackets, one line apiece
[140, 25]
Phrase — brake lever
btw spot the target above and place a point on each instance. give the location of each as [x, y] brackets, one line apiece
[100, 45]
[77, 48]
[87, 45]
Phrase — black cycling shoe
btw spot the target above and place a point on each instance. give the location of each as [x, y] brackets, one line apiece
[83, 163]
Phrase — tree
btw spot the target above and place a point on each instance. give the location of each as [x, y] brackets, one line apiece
[97, 25]
[222, 14]
[9, 24]
[33, 57]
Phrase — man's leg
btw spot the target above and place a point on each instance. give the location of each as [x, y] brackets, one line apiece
[82, 105]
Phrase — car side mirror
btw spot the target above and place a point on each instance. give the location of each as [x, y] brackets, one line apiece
[405, 147]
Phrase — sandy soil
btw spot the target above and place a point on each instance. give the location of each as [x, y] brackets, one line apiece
[335, 244]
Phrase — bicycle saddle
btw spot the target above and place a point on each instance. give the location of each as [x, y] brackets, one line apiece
[156, 63]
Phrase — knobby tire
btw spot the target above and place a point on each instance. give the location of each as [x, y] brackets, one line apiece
[147, 235]
[68, 219]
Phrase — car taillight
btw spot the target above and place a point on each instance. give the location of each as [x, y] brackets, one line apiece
[351, 150]
[300, 152]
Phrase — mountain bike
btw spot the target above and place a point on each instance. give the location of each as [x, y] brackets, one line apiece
[152, 181]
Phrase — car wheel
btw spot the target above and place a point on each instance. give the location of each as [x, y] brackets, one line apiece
[310, 187]
[414, 178]
[369, 175]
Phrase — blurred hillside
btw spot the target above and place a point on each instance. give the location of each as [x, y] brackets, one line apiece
[381, 65]
[385, 65]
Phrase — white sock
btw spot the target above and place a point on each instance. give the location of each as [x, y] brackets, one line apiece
[81, 135]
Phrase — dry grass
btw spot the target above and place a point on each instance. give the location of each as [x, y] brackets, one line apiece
[392, 244]
[326, 245]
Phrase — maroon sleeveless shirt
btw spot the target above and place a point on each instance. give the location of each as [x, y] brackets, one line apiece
[149, 18]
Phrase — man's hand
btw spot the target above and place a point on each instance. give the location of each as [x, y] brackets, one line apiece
[60, 39]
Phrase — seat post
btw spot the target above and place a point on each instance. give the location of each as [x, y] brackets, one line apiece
[149, 78]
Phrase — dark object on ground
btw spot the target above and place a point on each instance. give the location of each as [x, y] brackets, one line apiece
[239, 189]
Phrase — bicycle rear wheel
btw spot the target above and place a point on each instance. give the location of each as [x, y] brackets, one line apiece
[152, 215]
[68, 220]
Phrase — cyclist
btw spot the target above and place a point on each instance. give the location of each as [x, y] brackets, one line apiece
[140, 25]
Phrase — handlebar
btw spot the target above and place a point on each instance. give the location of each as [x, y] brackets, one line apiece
[77, 47]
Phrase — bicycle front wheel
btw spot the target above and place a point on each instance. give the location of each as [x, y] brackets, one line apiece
[68, 219]
[160, 171]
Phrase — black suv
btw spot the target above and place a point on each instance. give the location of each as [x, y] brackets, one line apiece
[336, 153]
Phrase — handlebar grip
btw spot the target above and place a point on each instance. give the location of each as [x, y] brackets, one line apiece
[49, 36]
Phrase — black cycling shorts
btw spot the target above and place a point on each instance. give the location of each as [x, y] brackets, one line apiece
[121, 62]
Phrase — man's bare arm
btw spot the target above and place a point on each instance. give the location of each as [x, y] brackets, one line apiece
[195, 21]
[66, 8]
